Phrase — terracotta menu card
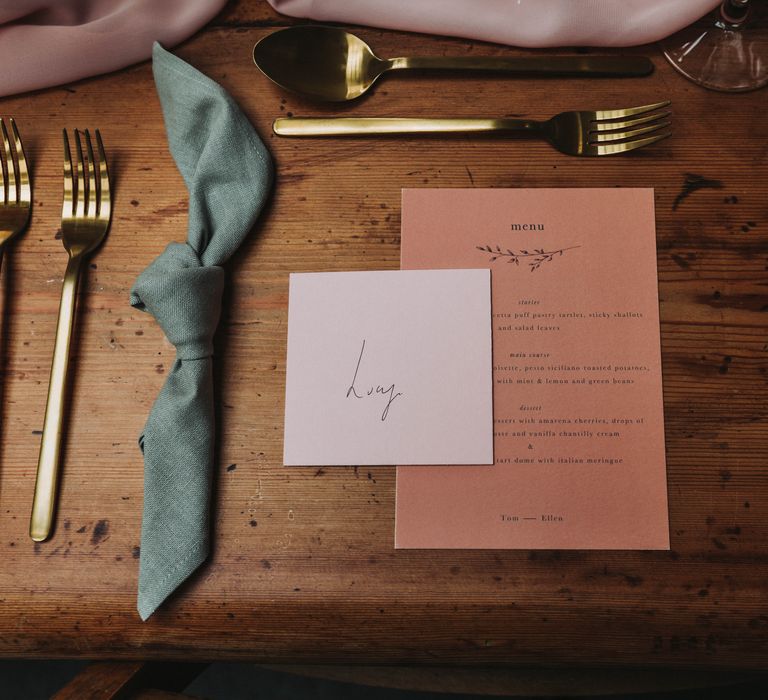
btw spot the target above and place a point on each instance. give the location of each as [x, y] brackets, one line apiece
[577, 406]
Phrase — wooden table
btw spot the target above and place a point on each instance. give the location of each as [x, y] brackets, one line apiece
[304, 568]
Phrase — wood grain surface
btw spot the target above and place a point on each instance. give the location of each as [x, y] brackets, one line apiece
[304, 568]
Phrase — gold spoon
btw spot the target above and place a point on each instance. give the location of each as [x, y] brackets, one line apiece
[329, 64]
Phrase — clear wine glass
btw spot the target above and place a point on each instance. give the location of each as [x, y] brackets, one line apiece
[726, 51]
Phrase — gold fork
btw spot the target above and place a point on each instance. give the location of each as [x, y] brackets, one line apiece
[85, 219]
[597, 133]
[15, 188]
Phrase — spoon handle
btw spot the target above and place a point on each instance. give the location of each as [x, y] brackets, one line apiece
[553, 66]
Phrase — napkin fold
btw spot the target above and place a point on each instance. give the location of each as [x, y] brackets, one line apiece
[228, 172]
[530, 23]
[50, 42]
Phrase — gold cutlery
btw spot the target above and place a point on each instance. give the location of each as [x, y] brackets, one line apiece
[15, 188]
[326, 63]
[85, 219]
[598, 133]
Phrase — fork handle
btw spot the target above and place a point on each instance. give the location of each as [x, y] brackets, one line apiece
[50, 445]
[345, 126]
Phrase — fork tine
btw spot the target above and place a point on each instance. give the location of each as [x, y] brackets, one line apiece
[11, 167]
[621, 113]
[67, 209]
[25, 190]
[611, 136]
[605, 149]
[105, 200]
[93, 195]
[606, 125]
[81, 194]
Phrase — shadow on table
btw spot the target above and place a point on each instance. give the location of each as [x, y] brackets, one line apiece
[224, 681]
[40, 680]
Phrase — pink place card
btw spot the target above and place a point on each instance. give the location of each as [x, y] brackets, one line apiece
[389, 367]
[578, 414]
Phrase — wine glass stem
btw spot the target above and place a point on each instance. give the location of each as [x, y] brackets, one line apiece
[734, 12]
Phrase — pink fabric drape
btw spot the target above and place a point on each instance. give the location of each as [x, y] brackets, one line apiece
[50, 42]
[529, 23]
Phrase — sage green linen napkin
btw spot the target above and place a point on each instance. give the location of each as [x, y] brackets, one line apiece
[228, 173]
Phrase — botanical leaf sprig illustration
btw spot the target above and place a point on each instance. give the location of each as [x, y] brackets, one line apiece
[533, 258]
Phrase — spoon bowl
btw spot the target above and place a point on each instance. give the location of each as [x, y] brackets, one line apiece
[323, 63]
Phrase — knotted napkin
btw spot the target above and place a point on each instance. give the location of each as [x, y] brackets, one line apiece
[228, 173]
